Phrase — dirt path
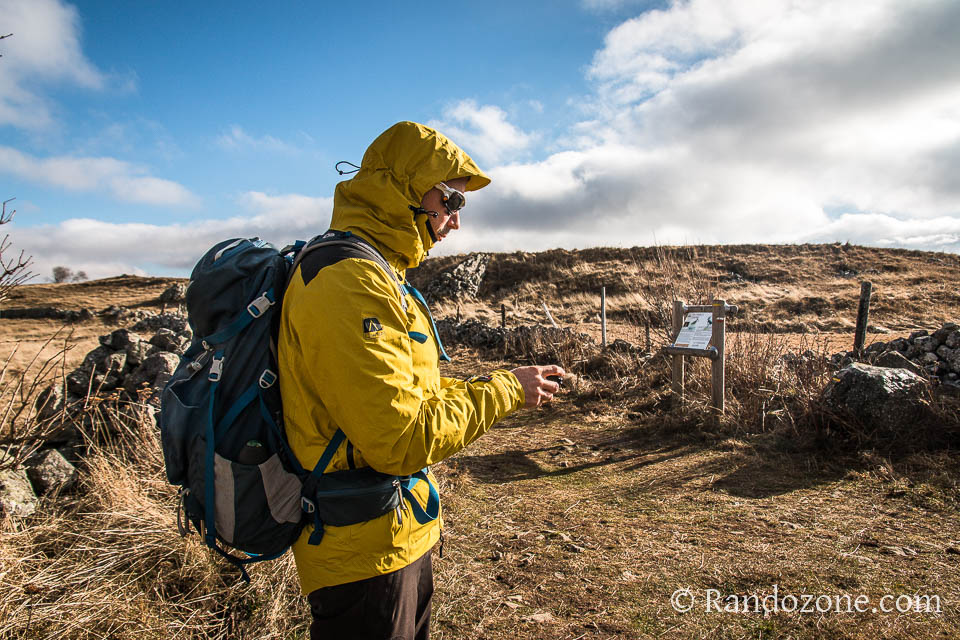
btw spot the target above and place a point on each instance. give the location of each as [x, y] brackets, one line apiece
[566, 523]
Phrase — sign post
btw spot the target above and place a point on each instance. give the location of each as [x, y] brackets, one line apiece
[700, 331]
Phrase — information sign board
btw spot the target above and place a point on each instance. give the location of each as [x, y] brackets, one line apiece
[696, 332]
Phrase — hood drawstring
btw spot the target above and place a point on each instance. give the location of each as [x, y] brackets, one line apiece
[424, 225]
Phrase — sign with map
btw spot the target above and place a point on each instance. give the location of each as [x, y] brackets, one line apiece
[696, 332]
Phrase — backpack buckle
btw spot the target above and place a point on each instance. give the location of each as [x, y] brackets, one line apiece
[259, 306]
[307, 505]
[267, 379]
[216, 368]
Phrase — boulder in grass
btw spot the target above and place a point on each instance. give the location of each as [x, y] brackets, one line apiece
[896, 360]
[50, 472]
[16, 495]
[886, 399]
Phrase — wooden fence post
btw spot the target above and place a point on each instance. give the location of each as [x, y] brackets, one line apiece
[677, 358]
[719, 338]
[603, 316]
[503, 316]
[863, 315]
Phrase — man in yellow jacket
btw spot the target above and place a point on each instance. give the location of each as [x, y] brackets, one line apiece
[358, 356]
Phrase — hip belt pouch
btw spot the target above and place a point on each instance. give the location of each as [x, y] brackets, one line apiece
[342, 498]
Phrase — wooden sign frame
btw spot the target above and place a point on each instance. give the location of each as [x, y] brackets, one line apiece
[715, 352]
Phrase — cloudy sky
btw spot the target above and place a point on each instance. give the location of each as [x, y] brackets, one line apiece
[135, 135]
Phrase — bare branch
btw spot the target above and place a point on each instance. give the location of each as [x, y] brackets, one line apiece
[5, 217]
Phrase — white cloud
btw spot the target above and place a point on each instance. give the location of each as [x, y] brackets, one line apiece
[122, 180]
[235, 138]
[45, 48]
[483, 131]
[739, 121]
[103, 248]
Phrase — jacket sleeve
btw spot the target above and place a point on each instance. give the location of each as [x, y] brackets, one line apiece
[362, 355]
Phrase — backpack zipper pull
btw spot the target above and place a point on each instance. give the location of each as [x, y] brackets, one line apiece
[396, 483]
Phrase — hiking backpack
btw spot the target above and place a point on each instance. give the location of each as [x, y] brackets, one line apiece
[221, 414]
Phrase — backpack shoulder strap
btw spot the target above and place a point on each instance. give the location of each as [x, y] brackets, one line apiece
[347, 239]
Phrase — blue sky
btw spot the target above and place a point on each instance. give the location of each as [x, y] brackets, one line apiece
[136, 134]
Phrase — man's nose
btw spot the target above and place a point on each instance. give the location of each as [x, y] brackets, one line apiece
[454, 222]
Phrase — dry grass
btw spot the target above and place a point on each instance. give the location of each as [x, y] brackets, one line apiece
[106, 561]
[22, 431]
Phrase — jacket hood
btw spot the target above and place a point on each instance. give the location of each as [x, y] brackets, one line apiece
[398, 168]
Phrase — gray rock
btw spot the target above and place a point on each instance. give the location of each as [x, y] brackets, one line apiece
[137, 352]
[78, 382]
[888, 399]
[953, 361]
[173, 321]
[174, 294]
[929, 358]
[50, 402]
[918, 334]
[155, 371]
[953, 340]
[50, 472]
[875, 347]
[103, 382]
[115, 362]
[899, 344]
[461, 281]
[622, 346]
[16, 495]
[941, 334]
[114, 314]
[896, 360]
[925, 344]
[119, 339]
[945, 352]
[96, 360]
[167, 340]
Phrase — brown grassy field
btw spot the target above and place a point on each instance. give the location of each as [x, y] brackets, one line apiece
[581, 519]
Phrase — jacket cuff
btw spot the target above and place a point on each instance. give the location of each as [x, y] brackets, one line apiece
[509, 391]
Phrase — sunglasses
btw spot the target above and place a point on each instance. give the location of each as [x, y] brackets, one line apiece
[453, 200]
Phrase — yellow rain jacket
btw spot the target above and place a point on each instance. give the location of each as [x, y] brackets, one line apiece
[382, 387]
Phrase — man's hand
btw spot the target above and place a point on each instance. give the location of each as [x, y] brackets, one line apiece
[536, 388]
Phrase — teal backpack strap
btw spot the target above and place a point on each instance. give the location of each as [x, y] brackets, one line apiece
[432, 510]
[409, 288]
[348, 239]
[310, 485]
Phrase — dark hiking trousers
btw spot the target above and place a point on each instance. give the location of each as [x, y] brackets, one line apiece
[394, 606]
